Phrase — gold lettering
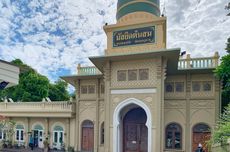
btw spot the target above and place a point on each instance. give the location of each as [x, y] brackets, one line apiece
[126, 34]
[140, 35]
[150, 34]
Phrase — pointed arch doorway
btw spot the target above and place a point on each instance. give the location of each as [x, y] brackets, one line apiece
[135, 132]
[132, 127]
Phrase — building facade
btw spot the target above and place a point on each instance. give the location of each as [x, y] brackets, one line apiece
[139, 97]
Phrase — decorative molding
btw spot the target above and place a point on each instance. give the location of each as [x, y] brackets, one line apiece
[202, 104]
[133, 91]
[175, 104]
[117, 125]
[86, 105]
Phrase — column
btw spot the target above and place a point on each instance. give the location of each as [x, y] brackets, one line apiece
[187, 140]
[77, 136]
[107, 106]
[68, 133]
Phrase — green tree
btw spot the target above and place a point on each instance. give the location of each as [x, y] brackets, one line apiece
[58, 91]
[228, 46]
[223, 73]
[221, 133]
[8, 126]
[227, 7]
[32, 86]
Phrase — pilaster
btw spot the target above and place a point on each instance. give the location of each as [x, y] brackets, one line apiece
[67, 131]
[187, 140]
[77, 136]
[107, 77]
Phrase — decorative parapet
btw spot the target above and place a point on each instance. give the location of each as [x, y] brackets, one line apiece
[88, 70]
[198, 63]
[64, 108]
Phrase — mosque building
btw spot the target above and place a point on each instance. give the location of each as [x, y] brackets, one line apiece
[139, 96]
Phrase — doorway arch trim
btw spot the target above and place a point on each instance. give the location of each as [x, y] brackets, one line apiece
[116, 122]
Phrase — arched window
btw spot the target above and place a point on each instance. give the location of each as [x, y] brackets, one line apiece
[87, 138]
[19, 133]
[38, 127]
[173, 138]
[58, 137]
[102, 133]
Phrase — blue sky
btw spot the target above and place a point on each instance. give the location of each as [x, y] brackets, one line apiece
[53, 36]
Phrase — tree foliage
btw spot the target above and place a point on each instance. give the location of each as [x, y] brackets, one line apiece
[223, 73]
[58, 92]
[8, 126]
[34, 86]
[221, 133]
[228, 46]
[227, 7]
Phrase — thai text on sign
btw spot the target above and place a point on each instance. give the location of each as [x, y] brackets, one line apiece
[134, 36]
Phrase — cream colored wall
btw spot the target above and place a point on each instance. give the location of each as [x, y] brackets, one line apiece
[48, 124]
[90, 107]
[189, 108]
[130, 65]
[72, 132]
[154, 101]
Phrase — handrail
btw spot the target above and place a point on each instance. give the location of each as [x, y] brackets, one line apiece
[198, 63]
[88, 70]
[63, 105]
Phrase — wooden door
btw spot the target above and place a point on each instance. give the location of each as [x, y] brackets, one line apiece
[87, 137]
[135, 132]
[201, 134]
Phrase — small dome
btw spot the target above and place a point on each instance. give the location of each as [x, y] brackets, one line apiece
[125, 7]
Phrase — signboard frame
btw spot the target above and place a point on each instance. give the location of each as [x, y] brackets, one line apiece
[134, 36]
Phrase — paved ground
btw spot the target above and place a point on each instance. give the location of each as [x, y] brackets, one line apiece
[27, 150]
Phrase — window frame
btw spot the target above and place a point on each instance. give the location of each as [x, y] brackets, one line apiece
[173, 88]
[139, 74]
[200, 86]
[208, 82]
[167, 130]
[19, 133]
[86, 87]
[129, 76]
[120, 80]
[94, 89]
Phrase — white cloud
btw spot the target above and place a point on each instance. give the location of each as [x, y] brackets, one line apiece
[50, 35]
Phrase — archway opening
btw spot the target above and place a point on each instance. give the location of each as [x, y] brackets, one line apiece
[58, 137]
[201, 134]
[135, 132]
[121, 111]
[38, 132]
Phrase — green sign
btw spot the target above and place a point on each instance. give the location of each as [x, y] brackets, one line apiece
[134, 36]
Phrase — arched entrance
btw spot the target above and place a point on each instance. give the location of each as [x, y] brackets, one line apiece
[58, 137]
[38, 132]
[87, 139]
[135, 136]
[132, 127]
[201, 134]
